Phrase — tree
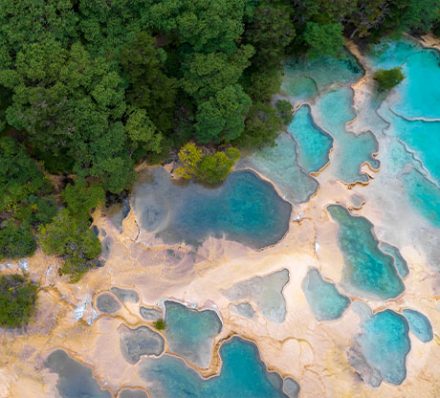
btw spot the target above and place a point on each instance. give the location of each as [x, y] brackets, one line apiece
[324, 39]
[207, 74]
[210, 169]
[206, 26]
[18, 297]
[72, 239]
[214, 169]
[388, 78]
[190, 156]
[81, 198]
[221, 117]
[285, 111]
[150, 89]
[142, 131]
[72, 103]
[270, 31]
[262, 127]
[25, 200]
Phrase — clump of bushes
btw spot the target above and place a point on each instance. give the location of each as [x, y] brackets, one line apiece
[25, 201]
[160, 324]
[206, 168]
[69, 234]
[17, 300]
[285, 111]
[388, 78]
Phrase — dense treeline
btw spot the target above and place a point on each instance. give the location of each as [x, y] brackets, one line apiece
[89, 88]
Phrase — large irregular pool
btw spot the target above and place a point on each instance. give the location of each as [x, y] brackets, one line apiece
[245, 209]
[368, 271]
[74, 379]
[242, 375]
[190, 333]
[324, 299]
[380, 350]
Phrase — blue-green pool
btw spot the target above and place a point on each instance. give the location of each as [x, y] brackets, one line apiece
[245, 209]
[190, 333]
[243, 375]
[419, 325]
[313, 144]
[384, 345]
[368, 270]
[323, 297]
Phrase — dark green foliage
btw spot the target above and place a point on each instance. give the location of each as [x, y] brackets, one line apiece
[149, 87]
[262, 127]
[25, 200]
[71, 238]
[16, 240]
[270, 31]
[285, 111]
[17, 300]
[324, 39]
[81, 198]
[221, 117]
[388, 78]
[160, 324]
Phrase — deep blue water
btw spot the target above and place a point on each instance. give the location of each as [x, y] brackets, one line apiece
[245, 209]
[242, 375]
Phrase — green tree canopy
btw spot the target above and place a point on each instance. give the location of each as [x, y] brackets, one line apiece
[324, 39]
[18, 298]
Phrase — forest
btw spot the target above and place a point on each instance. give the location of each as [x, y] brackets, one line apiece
[89, 89]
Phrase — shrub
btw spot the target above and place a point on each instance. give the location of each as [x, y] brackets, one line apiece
[17, 300]
[72, 239]
[285, 111]
[210, 169]
[388, 78]
[16, 240]
[160, 324]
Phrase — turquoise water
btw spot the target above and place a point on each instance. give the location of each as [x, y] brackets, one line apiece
[242, 375]
[424, 195]
[399, 262]
[244, 209]
[279, 163]
[412, 112]
[305, 78]
[323, 297]
[422, 138]
[313, 145]
[419, 325]
[419, 94]
[190, 333]
[384, 344]
[367, 269]
[351, 151]
[74, 379]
